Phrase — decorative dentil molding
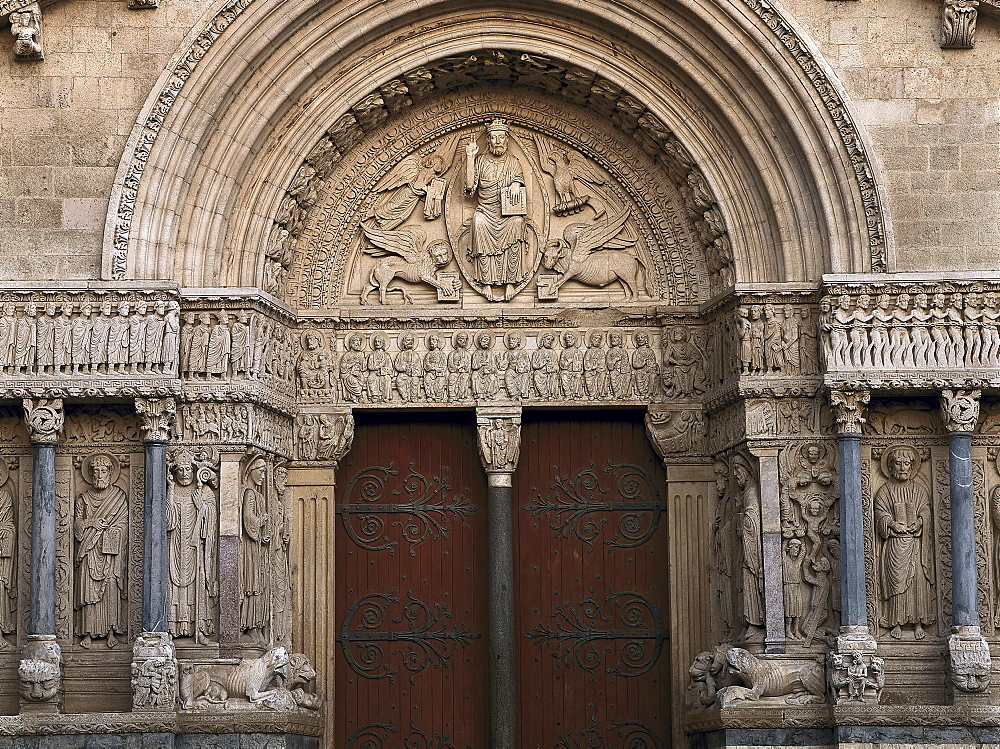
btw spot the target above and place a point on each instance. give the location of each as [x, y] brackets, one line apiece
[849, 407]
[499, 432]
[156, 417]
[960, 410]
[45, 419]
[26, 26]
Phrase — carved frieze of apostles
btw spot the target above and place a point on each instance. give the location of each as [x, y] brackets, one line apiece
[497, 198]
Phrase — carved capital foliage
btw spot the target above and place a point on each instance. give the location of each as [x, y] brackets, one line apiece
[156, 417]
[26, 26]
[849, 408]
[45, 418]
[675, 431]
[324, 435]
[958, 24]
[960, 410]
[499, 438]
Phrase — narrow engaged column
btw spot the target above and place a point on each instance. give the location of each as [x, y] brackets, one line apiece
[968, 654]
[499, 445]
[770, 538]
[855, 644]
[154, 663]
[40, 669]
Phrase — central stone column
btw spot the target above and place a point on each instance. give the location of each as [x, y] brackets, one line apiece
[499, 445]
[855, 644]
[969, 661]
[40, 670]
[154, 664]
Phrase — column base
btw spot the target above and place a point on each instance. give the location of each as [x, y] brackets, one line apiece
[39, 675]
[969, 665]
[855, 674]
[154, 672]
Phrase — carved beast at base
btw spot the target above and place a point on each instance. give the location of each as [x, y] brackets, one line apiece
[273, 681]
[798, 683]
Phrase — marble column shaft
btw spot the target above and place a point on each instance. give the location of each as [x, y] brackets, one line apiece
[502, 677]
[154, 537]
[853, 601]
[42, 606]
[964, 592]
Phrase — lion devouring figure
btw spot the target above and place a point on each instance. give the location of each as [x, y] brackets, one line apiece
[273, 681]
[797, 683]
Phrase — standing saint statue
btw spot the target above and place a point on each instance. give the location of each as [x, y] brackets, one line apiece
[8, 545]
[906, 565]
[499, 242]
[192, 540]
[101, 530]
[753, 556]
[255, 551]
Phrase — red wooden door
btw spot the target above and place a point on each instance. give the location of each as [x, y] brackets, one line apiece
[591, 583]
[411, 586]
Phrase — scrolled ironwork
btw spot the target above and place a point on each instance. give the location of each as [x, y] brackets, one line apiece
[427, 640]
[633, 735]
[425, 516]
[572, 508]
[376, 736]
[579, 637]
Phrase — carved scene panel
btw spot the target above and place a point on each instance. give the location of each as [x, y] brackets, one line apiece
[591, 532]
[411, 582]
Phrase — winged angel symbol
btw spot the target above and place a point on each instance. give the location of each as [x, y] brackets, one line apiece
[593, 254]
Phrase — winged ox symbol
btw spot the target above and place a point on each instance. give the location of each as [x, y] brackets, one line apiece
[593, 254]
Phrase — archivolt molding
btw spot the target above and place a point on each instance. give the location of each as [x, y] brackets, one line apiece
[136, 221]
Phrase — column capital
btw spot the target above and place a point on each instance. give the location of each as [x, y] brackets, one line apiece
[499, 431]
[156, 416]
[960, 410]
[849, 409]
[45, 419]
[324, 434]
[674, 431]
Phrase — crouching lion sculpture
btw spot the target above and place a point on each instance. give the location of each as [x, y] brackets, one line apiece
[273, 681]
[798, 683]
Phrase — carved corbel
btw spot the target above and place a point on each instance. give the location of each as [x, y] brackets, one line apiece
[960, 410]
[849, 409]
[958, 24]
[39, 674]
[499, 442]
[674, 431]
[324, 435]
[156, 417]
[969, 663]
[26, 26]
[45, 418]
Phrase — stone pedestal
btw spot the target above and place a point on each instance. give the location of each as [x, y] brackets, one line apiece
[854, 673]
[154, 672]
[969, 666]
[39, 675]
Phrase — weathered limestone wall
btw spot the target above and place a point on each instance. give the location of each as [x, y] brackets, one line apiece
[932, 115]
[64, 125]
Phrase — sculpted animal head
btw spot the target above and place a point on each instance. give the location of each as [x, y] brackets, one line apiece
[440, 254]
[277, 661]
[300, 671]
[741, 662]
[553, 253]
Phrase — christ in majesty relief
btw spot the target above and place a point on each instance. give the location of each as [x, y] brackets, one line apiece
[499, 242]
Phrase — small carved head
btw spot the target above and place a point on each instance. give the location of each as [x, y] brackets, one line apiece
[615, 339]
[461, 339]
[354, 342]
[921, 300]
[280, 478]
[596, 339]
[768, 311]
[864, 301]
[50, 309]
[433, 342]
[123, 309]
[38, 680]
[973, 300]
[223, 318]
[990, 299]
[552, 253]
[569, 339]
[548, 340]
[824, 305]
[755, 312]
[721, 478]
[106, 308]
[440, 253]
[833, 547]
[642, 339]
[407, 342]
[484, 341]
[497, 133]
[160, 307]
[901, 461]
[67, 308]
[884, 301]
[793, 547]
[181, 465]
[141, 307]
[514, 340]
[378, 342]
[956, 301]
[903, 301]
[844, 301]
[313, 339]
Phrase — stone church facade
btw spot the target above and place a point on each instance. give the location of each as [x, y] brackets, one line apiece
[553, 374]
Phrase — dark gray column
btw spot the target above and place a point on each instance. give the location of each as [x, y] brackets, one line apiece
[853, 601]
[42, 606]
[154, 540]
[499, 445]
[45, 422]
[969, 662]
[41, 657]
[156, 416]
